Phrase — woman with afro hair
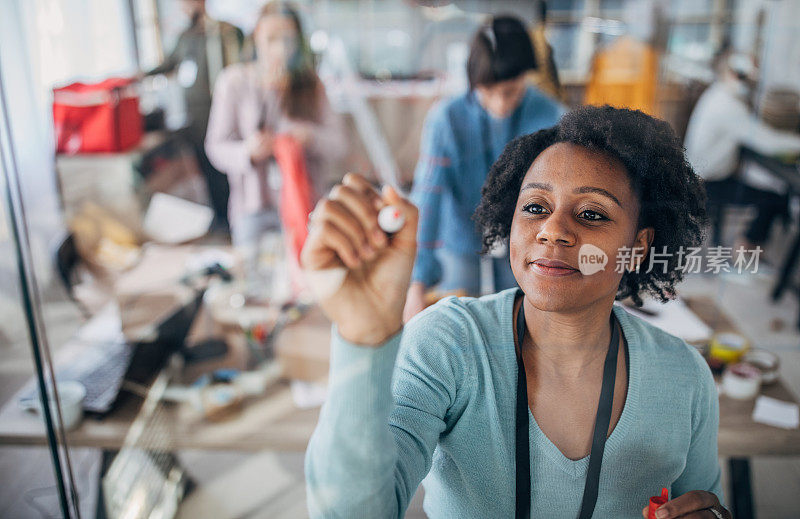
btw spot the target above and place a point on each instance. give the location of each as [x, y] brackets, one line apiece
[543, 400]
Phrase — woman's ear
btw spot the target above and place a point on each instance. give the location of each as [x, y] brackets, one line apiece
[644, 238]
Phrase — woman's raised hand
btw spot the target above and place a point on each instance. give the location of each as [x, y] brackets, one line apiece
[344, 234]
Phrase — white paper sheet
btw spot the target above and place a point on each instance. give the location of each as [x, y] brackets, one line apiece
[674, 317]
[777, 413]
[170, 219]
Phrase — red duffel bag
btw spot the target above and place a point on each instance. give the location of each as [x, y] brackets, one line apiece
[100, 117]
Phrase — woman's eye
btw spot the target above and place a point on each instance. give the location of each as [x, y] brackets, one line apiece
[532, 208]
[593, 215]
[586, 214]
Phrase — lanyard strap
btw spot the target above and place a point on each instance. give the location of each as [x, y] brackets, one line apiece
[601, 423]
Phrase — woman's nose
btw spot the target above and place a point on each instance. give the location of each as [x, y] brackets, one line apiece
[554, 230]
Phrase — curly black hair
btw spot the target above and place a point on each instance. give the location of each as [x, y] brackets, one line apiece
[671, 195]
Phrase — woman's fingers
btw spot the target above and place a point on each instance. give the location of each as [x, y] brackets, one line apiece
[691, 504]
[335, 212]
[350, 213]
[328, 236]
[364, 186]
[362, 207]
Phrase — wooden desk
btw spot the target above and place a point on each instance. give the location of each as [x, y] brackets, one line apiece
[269, 422]
[739, 436]
[272, 422]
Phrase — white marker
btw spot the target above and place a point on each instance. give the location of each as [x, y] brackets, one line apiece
[390, 219]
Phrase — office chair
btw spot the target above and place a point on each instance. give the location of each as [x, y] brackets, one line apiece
[716, 209]
[67, 259]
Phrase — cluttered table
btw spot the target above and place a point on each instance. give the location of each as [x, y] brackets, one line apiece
[739, 435]
[743, 432]
[270, 419]
[281, 412]
[273, 420]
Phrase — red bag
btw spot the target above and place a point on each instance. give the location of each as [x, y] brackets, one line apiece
[101, 117]
[296, 191]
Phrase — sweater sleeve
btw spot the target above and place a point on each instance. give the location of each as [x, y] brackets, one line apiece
[378, 429]
[171, 62]
[702, 470]
[431, 178]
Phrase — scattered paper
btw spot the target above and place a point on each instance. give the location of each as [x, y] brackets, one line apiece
[776, 413]
[307, 395]
[170, 219]
[673, 317]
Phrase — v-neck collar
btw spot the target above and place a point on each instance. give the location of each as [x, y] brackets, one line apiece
[539, 441]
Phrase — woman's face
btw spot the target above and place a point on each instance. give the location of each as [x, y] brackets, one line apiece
[501, 98]
[575, 205]
[276, 41]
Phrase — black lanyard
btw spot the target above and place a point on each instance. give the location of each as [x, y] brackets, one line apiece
[600, 426]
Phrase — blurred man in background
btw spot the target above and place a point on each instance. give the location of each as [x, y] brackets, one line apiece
[720, 124]
[202, 51]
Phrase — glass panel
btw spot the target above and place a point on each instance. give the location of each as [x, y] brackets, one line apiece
[167, 267]
[34, 490]
[691, 39]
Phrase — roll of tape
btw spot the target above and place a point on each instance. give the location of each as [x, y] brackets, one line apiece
[728, 347]
[741, 381]
[766, 362]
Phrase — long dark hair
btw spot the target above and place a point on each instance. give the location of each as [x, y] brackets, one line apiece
[301, 97]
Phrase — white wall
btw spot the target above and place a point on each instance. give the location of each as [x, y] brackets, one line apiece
[30, 136]
[42, 43]
[781, 58]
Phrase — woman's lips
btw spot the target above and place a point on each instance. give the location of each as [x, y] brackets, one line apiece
[552, 271]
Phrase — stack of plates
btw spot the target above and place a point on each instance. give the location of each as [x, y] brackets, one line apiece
[781, 109]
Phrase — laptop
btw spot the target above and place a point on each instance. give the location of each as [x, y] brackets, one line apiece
[102, 359]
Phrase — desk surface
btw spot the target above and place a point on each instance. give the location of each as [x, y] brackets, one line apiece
[272, 422]
[739, 435]
[269, 422]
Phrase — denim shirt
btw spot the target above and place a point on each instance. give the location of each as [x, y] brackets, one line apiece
[455, 157]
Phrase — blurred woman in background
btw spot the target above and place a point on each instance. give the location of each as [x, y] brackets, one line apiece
[278, 94]
[462, 138]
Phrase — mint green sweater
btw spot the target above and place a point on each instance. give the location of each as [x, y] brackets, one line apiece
[437, 400]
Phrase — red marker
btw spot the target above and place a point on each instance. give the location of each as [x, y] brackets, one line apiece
[657, 501]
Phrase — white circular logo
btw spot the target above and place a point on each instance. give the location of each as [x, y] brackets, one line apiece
[591, 259]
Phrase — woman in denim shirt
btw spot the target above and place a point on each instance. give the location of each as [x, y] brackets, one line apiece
[461, 139]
